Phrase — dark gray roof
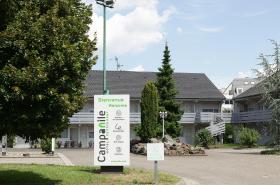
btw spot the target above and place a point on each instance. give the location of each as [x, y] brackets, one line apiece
[253, 91]
[189, 85]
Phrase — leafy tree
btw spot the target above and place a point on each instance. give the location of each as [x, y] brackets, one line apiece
[45, 56]
[167, 93]
[149, 113]
[270, 74]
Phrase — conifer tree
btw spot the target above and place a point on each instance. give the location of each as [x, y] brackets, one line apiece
[165, 84]
[149, 113]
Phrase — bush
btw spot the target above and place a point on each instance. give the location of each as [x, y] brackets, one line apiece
[249, 137]
[228, 135]
[11, 141]
[204, 138]
[46, 145]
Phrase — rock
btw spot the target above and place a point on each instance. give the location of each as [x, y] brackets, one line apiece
[172, 147]
[155, 140]
[172, 152]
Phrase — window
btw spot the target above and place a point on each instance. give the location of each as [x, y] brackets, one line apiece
[230, 92]
[90, 134]
[134, 106]
[239, 90]
[189, 107]
[210, 110]
[64, 134]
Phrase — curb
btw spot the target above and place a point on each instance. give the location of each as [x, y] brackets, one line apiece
[185, 181]
[66, 161]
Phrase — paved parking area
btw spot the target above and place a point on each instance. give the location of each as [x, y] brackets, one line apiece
[220, 167]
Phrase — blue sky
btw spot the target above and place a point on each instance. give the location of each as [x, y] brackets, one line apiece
[221, 38]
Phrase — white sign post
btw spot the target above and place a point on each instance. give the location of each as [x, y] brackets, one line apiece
[155, 152]
[111, 130]
[53, 145]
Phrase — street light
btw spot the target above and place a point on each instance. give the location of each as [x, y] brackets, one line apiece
[105, 4]
[162, 116]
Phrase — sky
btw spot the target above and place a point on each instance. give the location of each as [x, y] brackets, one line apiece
[221, 38]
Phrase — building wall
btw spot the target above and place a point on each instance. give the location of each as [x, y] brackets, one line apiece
[188, 133]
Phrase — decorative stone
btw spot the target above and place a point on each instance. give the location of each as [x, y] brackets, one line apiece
[172, 147]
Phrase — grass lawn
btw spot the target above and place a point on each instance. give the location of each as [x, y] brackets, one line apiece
[16, 174]
[225, 146]
[231, 145]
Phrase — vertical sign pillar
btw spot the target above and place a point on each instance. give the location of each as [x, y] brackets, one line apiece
[111, 132]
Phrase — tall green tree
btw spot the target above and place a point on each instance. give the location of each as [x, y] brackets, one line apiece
[270, 74]
[149, 113]
[165, 84]
[45, 56]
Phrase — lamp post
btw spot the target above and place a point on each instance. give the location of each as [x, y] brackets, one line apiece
[162, 116]
[105, 4]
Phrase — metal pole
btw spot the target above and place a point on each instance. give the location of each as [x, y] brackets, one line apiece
[104, 51]
[163, 126]
[155, 172]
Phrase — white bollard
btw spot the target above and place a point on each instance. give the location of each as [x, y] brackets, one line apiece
[53, 145]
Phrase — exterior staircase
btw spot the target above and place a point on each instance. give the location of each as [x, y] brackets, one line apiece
[217, 127]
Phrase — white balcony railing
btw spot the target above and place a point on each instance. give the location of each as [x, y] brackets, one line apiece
[88, 118]
[188, 118]
[252, 116]
[82, 118]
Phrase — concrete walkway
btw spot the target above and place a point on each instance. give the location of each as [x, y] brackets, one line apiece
[220, 167]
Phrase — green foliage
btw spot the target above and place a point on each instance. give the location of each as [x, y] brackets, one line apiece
[249, 137]
[167, 92]
[204, 138]
[45, 56]
[229, 133]
[271, 86]
[149, 113]
[46, 145]
[11, 141]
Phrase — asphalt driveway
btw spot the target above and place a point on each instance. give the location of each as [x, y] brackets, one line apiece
[220, 167]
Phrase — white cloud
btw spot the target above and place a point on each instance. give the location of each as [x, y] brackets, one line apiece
[255, 14]
[138, 68]
[179, 30]
[248, 74]
[210, 29]
[133, 30]
[193, 17]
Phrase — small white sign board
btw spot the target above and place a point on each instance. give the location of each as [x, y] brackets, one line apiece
[155, 152]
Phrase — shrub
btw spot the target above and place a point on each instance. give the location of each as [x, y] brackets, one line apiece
[46, 145]
[11, 141]
[204, 138]
[58, 144]
[249, 137]
[228, 136]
